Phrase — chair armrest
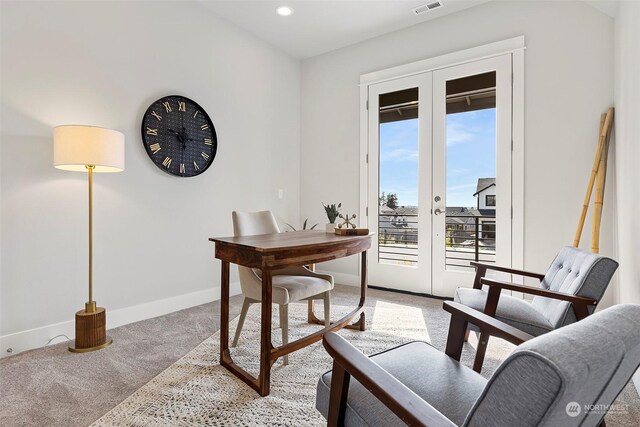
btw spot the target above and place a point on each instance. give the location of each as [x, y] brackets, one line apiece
[507, 270]
[486, 323]
[540, 292]
[580, 304]
[392, 393]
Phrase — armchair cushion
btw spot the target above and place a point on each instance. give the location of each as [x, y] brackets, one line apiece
[448, 386]
[512, 311]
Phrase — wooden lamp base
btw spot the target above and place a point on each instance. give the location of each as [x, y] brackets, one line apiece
[91, 330]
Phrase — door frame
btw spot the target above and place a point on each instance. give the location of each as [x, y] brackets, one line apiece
[515, 47]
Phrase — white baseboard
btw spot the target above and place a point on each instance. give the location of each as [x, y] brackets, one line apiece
[38, 337]
[636, 380]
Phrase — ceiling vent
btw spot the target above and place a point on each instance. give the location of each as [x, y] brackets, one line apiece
[427, 7]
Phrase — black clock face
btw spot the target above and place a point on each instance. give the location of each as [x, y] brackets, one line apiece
[179, 136]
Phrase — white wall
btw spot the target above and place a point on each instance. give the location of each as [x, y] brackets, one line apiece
[627, 146]
[568, 84]
[104, 63]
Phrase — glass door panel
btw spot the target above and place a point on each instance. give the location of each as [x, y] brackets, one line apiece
[470, 171]
[399, 159]
[398, 178]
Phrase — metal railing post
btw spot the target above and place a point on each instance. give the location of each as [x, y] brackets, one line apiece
[477, 238]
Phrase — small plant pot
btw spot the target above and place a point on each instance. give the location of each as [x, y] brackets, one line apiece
[330, 228]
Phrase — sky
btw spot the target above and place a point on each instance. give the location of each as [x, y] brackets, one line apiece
[470, 155]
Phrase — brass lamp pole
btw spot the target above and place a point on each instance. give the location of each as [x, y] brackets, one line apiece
[90, 306]
[91, 149]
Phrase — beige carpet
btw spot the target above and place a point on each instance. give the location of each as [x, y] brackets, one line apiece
[197, 391]
[52, 387]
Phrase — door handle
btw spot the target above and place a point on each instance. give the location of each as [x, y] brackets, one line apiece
[437, 211]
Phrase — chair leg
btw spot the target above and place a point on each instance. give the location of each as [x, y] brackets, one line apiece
[483, 340]
[243, 314]
[466, 335]
[327, 308]
[284, 325]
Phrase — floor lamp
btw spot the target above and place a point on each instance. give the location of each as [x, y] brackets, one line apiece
[89, 149]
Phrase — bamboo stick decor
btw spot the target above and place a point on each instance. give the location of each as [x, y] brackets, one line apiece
[597, 177]
[599, 200]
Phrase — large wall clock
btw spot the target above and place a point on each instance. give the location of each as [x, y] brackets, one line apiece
[179, 136]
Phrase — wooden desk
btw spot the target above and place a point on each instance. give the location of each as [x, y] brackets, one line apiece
[270, 252]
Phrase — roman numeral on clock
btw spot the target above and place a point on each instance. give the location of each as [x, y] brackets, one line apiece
[152, 131]
[195, 114]
[182, 106]
[155, 147]
[181, 167]
[167, 106]
[204, 155]
[167, 162]
[156, 115]
[204, 127]
[195, 166]
[208, 141]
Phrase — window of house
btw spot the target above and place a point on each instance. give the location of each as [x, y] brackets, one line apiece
[490, 200]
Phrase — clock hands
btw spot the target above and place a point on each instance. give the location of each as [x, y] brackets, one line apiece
[182, 137]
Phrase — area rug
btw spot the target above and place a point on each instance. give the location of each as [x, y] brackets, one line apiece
[196, 390]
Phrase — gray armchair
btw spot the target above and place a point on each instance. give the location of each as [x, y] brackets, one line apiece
[550, 380]
[569, 291]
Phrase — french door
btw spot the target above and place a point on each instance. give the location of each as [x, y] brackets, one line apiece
[439, 175]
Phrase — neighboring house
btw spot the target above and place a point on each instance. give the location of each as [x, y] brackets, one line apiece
[460, 224]
[398, 225]
[486, 194]
[486, 204]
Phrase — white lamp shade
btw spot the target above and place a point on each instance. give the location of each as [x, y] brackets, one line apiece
[77, 146]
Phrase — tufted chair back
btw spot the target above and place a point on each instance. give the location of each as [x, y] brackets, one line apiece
[576, 272]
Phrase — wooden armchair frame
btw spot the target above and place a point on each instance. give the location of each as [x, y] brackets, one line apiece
[579, 304]
[350, 362]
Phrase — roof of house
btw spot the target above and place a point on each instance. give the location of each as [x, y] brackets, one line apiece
[462, 211]
[483, 184]
[407, 210]
[388, 214]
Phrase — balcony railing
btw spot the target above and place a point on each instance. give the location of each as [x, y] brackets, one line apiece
[467, 238]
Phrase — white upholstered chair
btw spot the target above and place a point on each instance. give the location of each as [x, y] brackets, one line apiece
[289, 285]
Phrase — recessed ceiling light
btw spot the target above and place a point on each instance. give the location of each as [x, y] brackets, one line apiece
[284, 11]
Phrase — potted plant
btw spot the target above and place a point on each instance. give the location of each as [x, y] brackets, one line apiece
[332, 211]
[304, 225]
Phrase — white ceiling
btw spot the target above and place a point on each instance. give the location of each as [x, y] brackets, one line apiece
[319, 26]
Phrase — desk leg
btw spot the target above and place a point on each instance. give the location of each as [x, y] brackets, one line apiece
[265, 335]
[364, 282]
[224, 313]
[360, 324]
